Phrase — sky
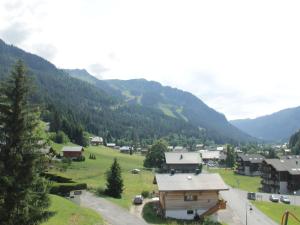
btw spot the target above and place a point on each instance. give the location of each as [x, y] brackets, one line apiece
[241, 58]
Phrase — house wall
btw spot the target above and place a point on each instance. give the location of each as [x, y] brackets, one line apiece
[175, 206]
[72, 154]
[185, 168]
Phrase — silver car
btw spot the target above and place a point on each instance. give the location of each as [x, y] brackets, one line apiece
[285, 199]
[274, 198]
[138, 199]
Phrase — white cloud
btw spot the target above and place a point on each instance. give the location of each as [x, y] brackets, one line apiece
[240, 57]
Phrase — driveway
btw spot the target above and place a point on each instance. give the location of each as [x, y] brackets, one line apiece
[238, 202]
[110, 212]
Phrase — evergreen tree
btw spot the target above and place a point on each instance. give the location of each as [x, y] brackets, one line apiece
[23, 193]
[230, 159]
[156, 155]
[114, 185]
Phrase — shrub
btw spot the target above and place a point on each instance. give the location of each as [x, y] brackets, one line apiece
[59, 137]
[79, 159]
[145, 194]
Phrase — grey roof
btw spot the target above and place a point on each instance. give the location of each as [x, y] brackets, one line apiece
[97, 139]
[183, 158]
[72, 149]
[290, 165]
[253, 158]
[290, 157]
[190, 182]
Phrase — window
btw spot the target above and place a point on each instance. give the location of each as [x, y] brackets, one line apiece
[190, 211]
[190, 198]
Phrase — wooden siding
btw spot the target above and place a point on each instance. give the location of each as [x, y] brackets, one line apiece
[175, 200]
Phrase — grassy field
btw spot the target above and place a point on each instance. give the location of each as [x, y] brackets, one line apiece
[247, 183]
[68, 213]
[93, 172]
[276, 210]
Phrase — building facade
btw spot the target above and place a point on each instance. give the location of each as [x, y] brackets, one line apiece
[249, 164]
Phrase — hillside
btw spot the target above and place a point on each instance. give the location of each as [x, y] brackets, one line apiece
[137, 109]
[73, 105]
[278, 126]
[172, 102]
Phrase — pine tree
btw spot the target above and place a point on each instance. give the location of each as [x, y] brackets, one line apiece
[114, 185]
[23, 193]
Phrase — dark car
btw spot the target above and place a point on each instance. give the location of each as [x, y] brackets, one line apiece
[274, 198]
[251, 196]
[138, 199]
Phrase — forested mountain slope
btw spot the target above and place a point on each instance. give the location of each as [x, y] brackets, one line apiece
[278, 126]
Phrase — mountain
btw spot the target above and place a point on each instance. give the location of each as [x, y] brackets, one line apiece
[172, 102]
[278, 126]
[73, 105]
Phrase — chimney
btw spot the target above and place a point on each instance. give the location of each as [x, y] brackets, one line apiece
[181, 156]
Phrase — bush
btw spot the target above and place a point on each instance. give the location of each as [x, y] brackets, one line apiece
[59, 137]
[79, 159]
[145, 194]
[100, 191]
[64, 189]
[56, 178]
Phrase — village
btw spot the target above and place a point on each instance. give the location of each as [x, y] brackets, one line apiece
[191, 185]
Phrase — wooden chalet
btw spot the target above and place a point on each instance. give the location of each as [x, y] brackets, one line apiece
[184, 162]
[186, 196]
[72, 152]
[281, 176]
[249, 164]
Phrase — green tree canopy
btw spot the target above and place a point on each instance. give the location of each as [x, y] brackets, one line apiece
[114, 185]
[155, 157]
[23, 195]
[231, 156]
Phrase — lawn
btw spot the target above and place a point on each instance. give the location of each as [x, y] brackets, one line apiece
[68, 213]
[276, 210]
[247, 183]
[150, 217]
[93, 172]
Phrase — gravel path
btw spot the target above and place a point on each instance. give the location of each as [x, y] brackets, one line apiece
[110, 212]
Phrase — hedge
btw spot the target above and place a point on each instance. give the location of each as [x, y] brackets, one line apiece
[64, 189]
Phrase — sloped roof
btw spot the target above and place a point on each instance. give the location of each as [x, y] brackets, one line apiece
[183, 158]
[190, 182]
[253, 158]
[72, 149]
[290, 165]
[206, 154]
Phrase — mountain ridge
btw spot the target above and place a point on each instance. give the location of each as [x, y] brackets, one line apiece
[278, 126]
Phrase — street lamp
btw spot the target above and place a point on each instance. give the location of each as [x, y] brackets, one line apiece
[295, 199]
[250, 209]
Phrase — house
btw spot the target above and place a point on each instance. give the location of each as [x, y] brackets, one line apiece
[208, 155]
[96, 141]
[183, 161]
[249, 164]
[111, 145]
[179, 149]
[125, 149]
[199, 146]
[281, 175]
[184, 196]
[72, 152]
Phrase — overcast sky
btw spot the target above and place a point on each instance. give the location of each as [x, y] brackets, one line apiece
[241, 58]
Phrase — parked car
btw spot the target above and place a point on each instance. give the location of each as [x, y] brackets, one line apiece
[285, 199]
[251, 196]
[138, 199]
[135, 171]
[274, 198]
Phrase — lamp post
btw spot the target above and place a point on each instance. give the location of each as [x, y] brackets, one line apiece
[250, 209]
[295, 199]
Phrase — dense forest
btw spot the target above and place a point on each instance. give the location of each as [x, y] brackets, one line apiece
[101, 108]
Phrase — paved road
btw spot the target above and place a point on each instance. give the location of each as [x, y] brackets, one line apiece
[237, 201]
[110, 212]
